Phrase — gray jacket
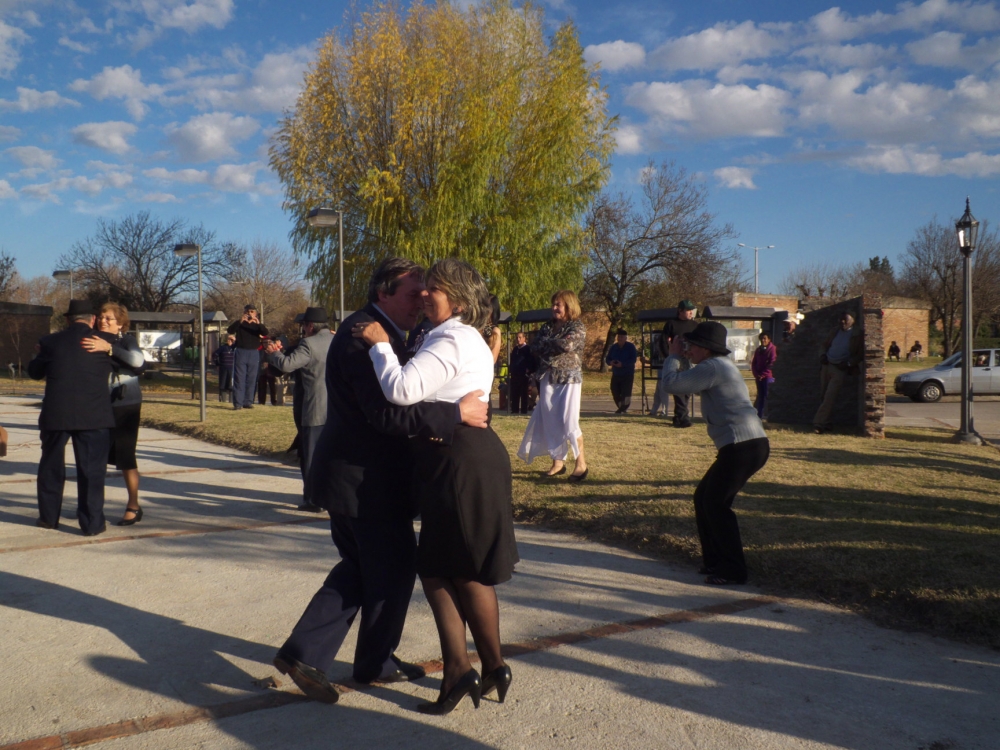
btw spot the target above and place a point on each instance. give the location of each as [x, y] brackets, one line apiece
[308, 361]
[126, 358]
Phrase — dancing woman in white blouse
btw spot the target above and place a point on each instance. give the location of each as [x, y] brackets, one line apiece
[464, 489]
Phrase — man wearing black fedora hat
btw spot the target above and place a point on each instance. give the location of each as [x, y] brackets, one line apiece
[308, 361]
[76, 407]
[739, 437]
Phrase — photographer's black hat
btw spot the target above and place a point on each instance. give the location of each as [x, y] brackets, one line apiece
[710, 335]
[315, 315]
[80, 307]
[686, 304]
[248, 308]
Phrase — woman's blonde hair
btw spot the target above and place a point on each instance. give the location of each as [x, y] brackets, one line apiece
[570, 301]
[465, 289]
[121, 314]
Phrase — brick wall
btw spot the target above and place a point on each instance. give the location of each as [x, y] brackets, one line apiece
[20, 328]
[795, 397]
[904, 322]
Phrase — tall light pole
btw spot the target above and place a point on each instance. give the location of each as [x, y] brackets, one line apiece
[968, 231]
[756, 289]
[329, 217]
[186, 251]
[64, 276]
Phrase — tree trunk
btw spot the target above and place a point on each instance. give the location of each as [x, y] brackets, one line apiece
[608, 341]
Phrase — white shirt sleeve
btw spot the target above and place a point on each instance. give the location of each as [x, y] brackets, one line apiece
[432, 367]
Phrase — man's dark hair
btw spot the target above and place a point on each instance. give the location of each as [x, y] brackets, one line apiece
[84, 318]
[621, 332]
[389, 275]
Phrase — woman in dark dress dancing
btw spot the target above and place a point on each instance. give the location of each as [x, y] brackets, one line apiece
[467, 526]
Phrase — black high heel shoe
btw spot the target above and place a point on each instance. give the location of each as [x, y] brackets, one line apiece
[470, 685]
[134, 519]
[499, 680]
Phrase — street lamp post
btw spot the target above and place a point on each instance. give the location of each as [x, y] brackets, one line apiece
[64, 276]
[756, 289]
[186, 251]
[329, 217]
[968, 230]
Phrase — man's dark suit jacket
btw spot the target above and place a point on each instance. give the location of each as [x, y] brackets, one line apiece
[363, 461]
[76, 382]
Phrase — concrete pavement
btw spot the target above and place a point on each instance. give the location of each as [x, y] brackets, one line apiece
[160, 635]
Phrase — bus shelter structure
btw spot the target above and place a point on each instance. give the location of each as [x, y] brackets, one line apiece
[741, 341]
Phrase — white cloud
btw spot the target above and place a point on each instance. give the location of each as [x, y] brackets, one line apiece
[735, 178]
[9, 133]
[124, 82]
[945, 49]
[30, 100]
[723, 44]
[848, 55]
[836, 25]
[108, 136]
[6, 191]
[65, 41]
[234, 178]
[11, 38]
[159, 198]
[617, 55]
[33, 157]
[628, 139]
[908, 160]
[210, 137]
[272, 86]
[698, 108]
[189, 16]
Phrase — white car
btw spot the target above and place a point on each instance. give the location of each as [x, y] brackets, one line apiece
[946, 378]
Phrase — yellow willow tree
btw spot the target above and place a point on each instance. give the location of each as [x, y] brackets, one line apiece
[442, 132]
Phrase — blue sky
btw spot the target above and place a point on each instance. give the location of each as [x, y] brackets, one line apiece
[829, 131]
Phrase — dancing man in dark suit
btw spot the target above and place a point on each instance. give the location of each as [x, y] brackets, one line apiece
[76, 407]
[362, 476]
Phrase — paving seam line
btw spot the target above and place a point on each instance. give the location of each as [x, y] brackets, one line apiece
[166, 534]
[277, 699]
[224, 467]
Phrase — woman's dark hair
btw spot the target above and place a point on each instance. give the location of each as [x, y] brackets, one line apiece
[389, 275]
[494, 309]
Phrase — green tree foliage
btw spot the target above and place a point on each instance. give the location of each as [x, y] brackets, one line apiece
[443, 132]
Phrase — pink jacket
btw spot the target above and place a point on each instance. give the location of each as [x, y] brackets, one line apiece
[763, 359]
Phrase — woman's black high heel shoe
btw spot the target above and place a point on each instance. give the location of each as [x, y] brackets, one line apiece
[470, 685]
[499, 680]
[134, 519]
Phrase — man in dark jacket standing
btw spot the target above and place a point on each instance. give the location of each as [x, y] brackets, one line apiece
[363, 480]
[522, 364]
[246, 365]
[307, 360]
[77, 407]
[684, 323]
[621, 358]
[224, 357]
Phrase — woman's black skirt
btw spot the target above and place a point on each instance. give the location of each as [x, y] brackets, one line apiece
[124, 436]
[466, 518]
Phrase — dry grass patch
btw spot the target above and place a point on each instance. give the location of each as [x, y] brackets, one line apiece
[265, 430]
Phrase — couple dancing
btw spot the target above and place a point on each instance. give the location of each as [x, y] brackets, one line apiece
[405, 436]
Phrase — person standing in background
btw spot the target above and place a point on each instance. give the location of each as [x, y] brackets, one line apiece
[761, 364]
[246, 364]
[307, 360]
[686, 311]
[843, 351]
[522, 365]
[223, 358]
[621, 358]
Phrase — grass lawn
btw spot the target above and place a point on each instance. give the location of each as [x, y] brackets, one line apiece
[905, 529]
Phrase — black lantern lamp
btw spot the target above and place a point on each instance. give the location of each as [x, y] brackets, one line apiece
[968, 231]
